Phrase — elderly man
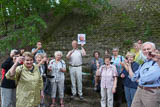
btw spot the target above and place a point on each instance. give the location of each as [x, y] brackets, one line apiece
[148, 78]
[75, 67]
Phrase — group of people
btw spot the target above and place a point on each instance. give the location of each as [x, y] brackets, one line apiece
[137, 75]
[27, 75]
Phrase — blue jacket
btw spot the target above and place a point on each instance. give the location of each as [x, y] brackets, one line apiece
[127, 81]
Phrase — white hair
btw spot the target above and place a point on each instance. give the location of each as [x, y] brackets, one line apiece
[58, 52]
[151, 43]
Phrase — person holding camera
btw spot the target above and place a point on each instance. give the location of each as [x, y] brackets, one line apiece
[148, 78]
[28, 80]
[129, 86]
[38, 49]
[8, 87]
[57, 68]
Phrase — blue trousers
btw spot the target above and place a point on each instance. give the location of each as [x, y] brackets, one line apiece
[129, 94]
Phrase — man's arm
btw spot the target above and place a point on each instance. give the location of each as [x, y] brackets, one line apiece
[158, 62]
[69, 54]
[83, 51]
[34, 51]
[152, 75]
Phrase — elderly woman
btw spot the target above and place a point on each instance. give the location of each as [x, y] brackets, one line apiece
[129, 86]
[28, 79]
[41, 62]
[57, 68]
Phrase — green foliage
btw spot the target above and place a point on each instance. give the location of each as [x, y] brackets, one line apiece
[87, 7]
[21, 21]
[127, 43]
[148, 31]
[127, 21]
[26, 36]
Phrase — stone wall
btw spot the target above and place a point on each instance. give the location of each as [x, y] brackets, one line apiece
[119, 27]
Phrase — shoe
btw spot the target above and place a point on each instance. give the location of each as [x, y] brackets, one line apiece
[73, 96]
[81, 97]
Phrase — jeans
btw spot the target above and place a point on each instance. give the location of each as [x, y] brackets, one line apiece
[8, 97]
[129, 94]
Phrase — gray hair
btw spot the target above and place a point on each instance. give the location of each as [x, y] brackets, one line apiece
[58, 52]
[13, 51]
[115, 49]
[135, 44]
[151, 43]
[39, 54]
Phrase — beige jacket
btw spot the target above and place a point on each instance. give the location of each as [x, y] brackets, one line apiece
[29, 85]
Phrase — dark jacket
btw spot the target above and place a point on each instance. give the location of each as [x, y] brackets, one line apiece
[127, 81]
[93, 63]
[5, 82]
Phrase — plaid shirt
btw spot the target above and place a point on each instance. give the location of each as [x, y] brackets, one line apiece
[58, 76]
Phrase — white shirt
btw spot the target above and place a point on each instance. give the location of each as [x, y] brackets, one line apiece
[76, 57]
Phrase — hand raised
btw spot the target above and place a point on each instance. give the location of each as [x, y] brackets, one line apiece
[82, 45]
[19, 59]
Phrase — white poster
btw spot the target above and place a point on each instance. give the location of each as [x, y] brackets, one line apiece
[81, 38]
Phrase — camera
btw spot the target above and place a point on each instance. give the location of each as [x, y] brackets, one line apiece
[150, 54]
